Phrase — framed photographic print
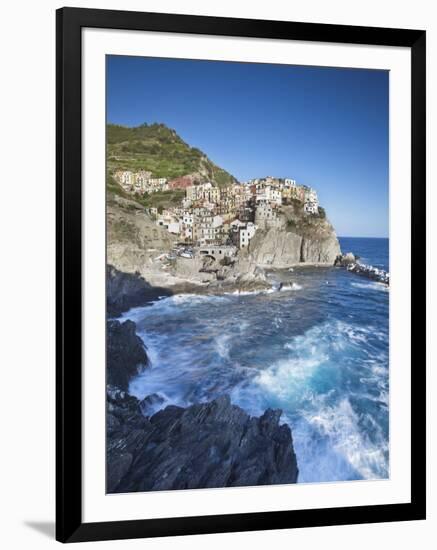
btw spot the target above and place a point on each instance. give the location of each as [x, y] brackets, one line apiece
[240, 274]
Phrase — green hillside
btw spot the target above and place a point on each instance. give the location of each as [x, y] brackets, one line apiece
[159, 149]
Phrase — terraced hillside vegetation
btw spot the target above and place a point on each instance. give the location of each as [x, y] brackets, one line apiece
[160, 150]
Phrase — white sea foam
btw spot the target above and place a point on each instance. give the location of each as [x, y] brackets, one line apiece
[350, 446]
[372, 285]
[329, 440]
[196, 298]
[169, 304]
[271, 290]
[335, 335]
[284, 378]
[251, 292]
[277, 321]
[244, 292]
[222, 345]
[293, 286]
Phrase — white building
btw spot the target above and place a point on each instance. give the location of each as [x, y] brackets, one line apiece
[141, 179]
[191, 193]
[311, 201]
[217, 221]
[174, 227]
[273, 195]
[311, 207]
[264, 212]
[246, 233]
[169, 222]
[289, 182]
[311, 195]
[188, 218]
[125, 178]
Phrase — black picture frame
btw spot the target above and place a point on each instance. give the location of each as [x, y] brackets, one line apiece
[69, 525]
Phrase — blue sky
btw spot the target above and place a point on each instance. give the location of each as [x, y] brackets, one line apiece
[324, 127]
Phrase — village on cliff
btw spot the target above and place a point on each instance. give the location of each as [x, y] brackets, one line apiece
[223, 219]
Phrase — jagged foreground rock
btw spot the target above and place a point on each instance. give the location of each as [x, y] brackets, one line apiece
[207, 445]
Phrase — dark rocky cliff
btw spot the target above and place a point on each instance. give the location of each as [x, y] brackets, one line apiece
[126, 353]
[127, 290]
[207, 445]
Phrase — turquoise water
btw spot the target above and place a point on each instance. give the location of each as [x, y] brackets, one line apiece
[317, 349]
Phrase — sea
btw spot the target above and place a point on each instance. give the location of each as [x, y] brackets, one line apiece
[316, 347]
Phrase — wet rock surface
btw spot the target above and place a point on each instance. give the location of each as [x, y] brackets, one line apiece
[206, 445]
[353, 265]
[126, 353]
[343, 260]
[127, 290]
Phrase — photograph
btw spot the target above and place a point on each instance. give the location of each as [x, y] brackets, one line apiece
[225, 242]
[247, 274]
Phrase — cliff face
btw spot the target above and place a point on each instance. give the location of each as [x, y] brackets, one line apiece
[134, 241]
[296, 238]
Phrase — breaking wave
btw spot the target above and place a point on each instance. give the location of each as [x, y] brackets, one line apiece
[334, 392]
[317, 351]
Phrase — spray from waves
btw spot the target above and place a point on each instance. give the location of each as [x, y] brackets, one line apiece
[222, 345]
[287, 376]
[373, 285]
[169, 304]
[293, 286]
[259, 292]
[248, 292]
[273, 289]
[332, 444]
[319, 397]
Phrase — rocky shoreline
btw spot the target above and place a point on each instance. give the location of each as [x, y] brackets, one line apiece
[127, 290]
[353, 265]
[205, 445]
